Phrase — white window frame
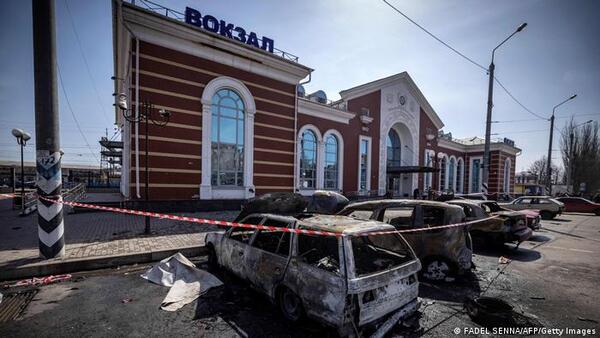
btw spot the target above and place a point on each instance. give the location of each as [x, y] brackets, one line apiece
[452, 185]
[340, 141]
[320, 161]
[460, 188]
[207, 190]
[369, 160]
[428, 176]
[471, 160]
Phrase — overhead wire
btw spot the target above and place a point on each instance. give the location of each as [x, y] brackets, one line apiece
[466, 58]
[62, 86]
[87, 66]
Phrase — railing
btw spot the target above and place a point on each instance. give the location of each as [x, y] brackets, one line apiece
[179, 16]
[75, 193]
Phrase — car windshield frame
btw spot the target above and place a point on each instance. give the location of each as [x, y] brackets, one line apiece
[404, 249]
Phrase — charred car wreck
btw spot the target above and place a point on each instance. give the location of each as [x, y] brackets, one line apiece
[443, 252]
[350, 280]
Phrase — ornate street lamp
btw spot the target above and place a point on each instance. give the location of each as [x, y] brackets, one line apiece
[22, 138]
[145, 115]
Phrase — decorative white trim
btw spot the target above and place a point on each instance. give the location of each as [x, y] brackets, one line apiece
[340, 140]
[319, 154]
[470, 190]
[207, 191]
[369, 160]
[315, 109]
[452, 185]
[460, 188]
[428, 176]
[370, 87]
[442, 157]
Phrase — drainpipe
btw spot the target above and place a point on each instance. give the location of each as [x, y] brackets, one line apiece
[296, 169]
[137, 115]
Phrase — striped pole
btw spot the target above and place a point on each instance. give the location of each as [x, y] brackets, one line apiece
[48, 154]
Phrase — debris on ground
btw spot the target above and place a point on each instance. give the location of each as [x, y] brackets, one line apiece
[495, 312]
[126, 300]
[503, 260]
[36, 281]
[538, 298]
[587, 320]
[187, 282]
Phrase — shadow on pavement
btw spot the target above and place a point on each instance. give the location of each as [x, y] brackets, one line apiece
[235, 305]
[508, 250]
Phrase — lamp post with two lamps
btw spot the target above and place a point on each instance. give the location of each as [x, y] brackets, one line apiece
[22, 138]
[431, 138]
[490, 105]
[145, 111]
[549, 159]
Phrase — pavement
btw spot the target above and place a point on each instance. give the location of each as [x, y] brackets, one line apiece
[551, 282]
[96, 240]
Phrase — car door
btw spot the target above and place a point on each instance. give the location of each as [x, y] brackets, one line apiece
[316, 273]
[522, 203]
[235, 246]
[268, 255]
[405, 218]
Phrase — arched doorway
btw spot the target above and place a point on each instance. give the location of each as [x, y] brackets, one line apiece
[399, 154]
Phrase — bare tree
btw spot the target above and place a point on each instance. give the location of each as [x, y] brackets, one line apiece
[538, 168]
[580, 149]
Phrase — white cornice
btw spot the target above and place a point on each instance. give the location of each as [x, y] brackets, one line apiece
[474, 148]
[370, 87]
[322, 111]
[173, 34]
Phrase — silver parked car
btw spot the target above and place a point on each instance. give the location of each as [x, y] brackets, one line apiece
[548, 207]
[351, 281]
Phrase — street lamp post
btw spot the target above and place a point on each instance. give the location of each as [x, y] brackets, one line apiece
[571, 154]
[22, 138]
[431, 137]
[549, 159]
[145, 115]
[490, 105]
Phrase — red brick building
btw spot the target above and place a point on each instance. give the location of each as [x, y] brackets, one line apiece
[241, 124]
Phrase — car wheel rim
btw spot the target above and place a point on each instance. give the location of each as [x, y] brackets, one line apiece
[437, 270]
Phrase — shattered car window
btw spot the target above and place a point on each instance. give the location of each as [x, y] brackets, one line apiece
[321, 252]
[399, 217]
[492, 206]
[243, 234]
[378, 253]
[433, 216]
[361, 214]
[277, 242]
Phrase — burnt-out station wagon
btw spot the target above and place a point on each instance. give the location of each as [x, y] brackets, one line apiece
[353, 280]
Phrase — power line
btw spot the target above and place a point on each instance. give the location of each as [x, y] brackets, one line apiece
[62, 86]
[464, 57]
[520, 132]
[87, 66]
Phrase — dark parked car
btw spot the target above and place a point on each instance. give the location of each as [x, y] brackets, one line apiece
[580, 204]
[509, 226]
[443, 252]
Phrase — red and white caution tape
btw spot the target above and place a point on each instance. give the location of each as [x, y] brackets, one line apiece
[252, 226]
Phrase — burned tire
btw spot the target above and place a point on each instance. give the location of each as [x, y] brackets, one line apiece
[290, 305]
[437, 269]
[547, 215]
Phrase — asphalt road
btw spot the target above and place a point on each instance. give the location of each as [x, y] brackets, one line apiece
[552, 281]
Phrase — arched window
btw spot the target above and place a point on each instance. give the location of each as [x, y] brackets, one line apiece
[460, 173]
[331, 163]
[308, 160]
[506, 186]
[394, 148]
[443, 164]
[227, 139]
[452, 174]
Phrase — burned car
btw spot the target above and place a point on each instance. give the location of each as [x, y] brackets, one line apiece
[351, 279]
[443, 252]
[509, 226]
[533, 217]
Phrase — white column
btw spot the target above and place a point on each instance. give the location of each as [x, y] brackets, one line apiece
[249, 189]
[320, 163]
[205, 186]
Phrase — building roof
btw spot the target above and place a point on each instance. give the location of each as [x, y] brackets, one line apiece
[30, 164]
[372, 86]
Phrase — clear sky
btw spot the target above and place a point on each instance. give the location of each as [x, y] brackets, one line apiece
[347, 43]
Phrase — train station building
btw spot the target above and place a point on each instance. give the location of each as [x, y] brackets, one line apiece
[241, 123]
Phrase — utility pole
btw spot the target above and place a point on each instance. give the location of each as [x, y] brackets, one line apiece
[48, 154]
[549, 160]
[488, 121]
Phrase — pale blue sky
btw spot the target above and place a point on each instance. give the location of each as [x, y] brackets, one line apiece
[347, 43]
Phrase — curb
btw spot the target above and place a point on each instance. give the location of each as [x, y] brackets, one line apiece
[94, 263]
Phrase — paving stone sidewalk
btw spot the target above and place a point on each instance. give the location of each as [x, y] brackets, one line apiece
[95, 234]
